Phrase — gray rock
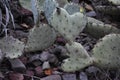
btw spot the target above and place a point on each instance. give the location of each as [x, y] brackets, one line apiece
[34, 57]
[92, 69]
[44, 56]
[17, 65]
[69, 77]
[91, 14]
[83, 76]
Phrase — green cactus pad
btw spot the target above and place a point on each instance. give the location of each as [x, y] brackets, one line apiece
[106, 52]
[76, 64]
[40, 38]
[11, 47]
[67, 25]
[76, 49]
[98, 29]
[72, 8]
[78, 60]
[27, 3]
[49, 7]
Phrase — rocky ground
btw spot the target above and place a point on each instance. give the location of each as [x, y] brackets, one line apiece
[45, 65]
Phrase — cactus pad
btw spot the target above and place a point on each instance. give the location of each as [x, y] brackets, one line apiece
[67, 25]
[99, 29]
[40, 38]
[79, 58]
[11, 47]
[49, 6]
[107, 52]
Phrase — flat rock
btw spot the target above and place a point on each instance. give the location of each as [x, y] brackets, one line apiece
[83, 76]
[17, 65]
[69, 77]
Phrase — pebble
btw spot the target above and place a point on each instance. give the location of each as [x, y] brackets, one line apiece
[17, 65]
[69, 77]
[83, 76]
[16, 76]
[52, 77]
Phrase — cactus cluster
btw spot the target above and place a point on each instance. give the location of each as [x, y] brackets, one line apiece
[105, 53]
[78, 57]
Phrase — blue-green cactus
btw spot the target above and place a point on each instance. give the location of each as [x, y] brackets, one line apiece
[67, 25]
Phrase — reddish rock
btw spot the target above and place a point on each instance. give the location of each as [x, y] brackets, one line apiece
[30, 73]
[24, 60]
[38, 71]
[60, 40]
[16, 76]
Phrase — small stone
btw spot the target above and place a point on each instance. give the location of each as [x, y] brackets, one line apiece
[1, 75]
[56, 73]
[60, 40]
[53, 59]
[16, 76]
[38, 70]
[34, 57]
[30, 73]
[91, 14]
[24, 59]
[83, 76]
[44, 56]
[46, 65]
[92, 69]
[17, 65]
[37, 63]
[69, 77]
[52, 77]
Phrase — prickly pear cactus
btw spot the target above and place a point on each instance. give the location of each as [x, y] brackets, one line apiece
[40, 38]
[106, 52]
[79, 58]
[67, 25]
[116, 2]
[11, 47]
[72, 8]
[49, 7]
[99, 29]
[75, 48]
[93, 20]
[35, 11]
[27, 3]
